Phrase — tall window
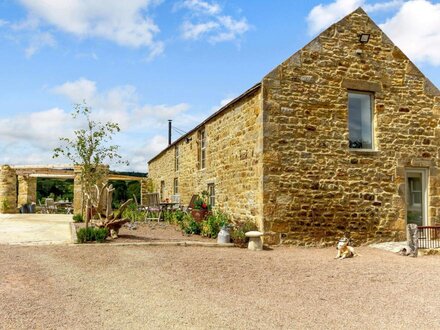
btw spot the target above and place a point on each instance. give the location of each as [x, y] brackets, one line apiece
[202, 149]
[360, 120]
[176, 186]
[211, 192]
[176, 158]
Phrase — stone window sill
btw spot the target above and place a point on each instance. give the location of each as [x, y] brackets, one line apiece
[364, 151]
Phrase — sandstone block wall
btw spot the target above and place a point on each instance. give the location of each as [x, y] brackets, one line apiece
[8, 190]
[315, 188]
[27, 189]
[233, 161]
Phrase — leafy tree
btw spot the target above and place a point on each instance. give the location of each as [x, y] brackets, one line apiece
[58, 188]
[89, 149]
[124, 190]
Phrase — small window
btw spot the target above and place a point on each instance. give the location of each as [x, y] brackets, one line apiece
[360, 120]
[176, 186]
[211, 193]
[176, 158]
[202, 149]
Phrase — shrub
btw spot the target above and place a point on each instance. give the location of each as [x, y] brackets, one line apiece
[92, 234]
[239, 230]
[132, 212]
[213, 223]
[168, 216]
[189, 226]
[101, 234]
[249, 226]
[174, 217]
[238, 236]
[78, 218]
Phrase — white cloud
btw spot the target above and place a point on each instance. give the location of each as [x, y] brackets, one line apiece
[87, 55]
[195, 31]
[206, 19]
[77, 91]
[201, 7]
[414, 25]
[322, 16]
[382, 6]
[37, 129]
[39, 41]
[123, 22]
[416, 30]
[232, 29]
[147, 150]
[113, 104]
[156, 50]
[223, 102]
[30, 138]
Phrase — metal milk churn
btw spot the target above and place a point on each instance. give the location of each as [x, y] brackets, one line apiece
[224, 236]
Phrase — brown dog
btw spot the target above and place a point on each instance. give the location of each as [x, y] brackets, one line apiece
[344, 250]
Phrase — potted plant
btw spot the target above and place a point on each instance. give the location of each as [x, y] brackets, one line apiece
[201, 207]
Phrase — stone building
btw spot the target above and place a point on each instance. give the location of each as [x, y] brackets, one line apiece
[341, 138]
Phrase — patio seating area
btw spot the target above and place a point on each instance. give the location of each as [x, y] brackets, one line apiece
[54, 207]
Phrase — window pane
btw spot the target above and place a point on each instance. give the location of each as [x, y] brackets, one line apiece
[360, 121]
[202, 152]
[203, 159]
[211, 191]
[176, 186]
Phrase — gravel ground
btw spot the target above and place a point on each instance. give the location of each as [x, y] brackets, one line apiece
[146, 287]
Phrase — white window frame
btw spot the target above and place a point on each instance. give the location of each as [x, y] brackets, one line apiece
[211, 193]
[176, 186]
[425, 190]
[202, 149]
[176, 158]
[372, 99]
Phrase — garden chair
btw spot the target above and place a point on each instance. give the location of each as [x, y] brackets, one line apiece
[152, 207]
[190, 206]
[139, 207]
[175, 199]
[50, 205]
[43, 208]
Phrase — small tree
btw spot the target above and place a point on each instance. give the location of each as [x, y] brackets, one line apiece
[89, 150]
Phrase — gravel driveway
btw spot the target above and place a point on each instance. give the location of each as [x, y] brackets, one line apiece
[145, 287]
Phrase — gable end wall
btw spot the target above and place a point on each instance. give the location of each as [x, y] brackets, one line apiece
[316, 189]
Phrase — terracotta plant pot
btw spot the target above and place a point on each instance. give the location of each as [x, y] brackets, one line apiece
[199, 215]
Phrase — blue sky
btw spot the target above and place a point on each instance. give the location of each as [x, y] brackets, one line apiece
[141, 62]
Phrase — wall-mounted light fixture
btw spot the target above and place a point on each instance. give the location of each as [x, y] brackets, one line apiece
[364, 38]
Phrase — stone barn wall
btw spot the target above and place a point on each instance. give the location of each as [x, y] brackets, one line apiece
[27, 190]
[316, 188]
[8, 190]
[233, 160]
